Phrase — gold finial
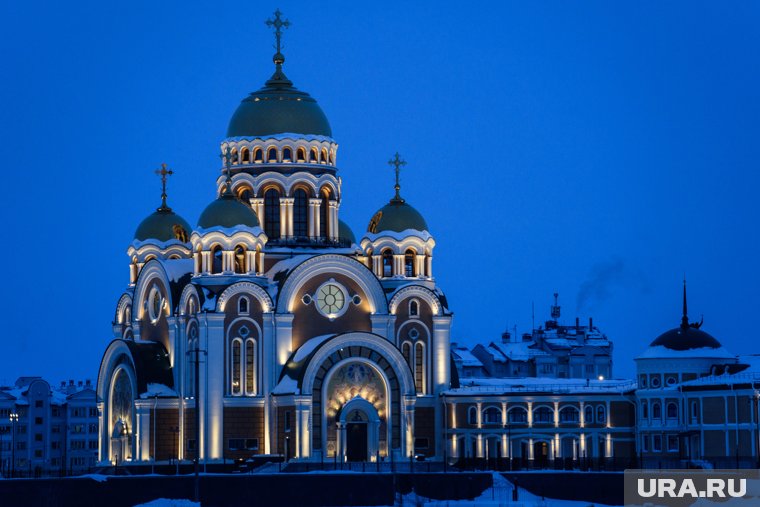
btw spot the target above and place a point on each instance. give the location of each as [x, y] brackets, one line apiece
[397, 163]
[278, 24]
[164, 172]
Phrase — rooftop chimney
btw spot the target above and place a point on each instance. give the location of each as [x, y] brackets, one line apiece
[590, 324]
[506, 337]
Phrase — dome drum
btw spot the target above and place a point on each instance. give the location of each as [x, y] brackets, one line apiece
[316, 152]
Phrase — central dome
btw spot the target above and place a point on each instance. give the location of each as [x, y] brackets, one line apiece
[686, 338]
[278, 108]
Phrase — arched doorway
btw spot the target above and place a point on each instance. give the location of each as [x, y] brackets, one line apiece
[359, 430]
[541, 454]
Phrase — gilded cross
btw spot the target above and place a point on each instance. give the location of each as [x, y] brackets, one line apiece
[278, 24]
[163, 172]
[397, 163]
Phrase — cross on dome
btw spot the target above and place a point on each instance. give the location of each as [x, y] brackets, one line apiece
[397, 163]
[278, 24]
[164, 172]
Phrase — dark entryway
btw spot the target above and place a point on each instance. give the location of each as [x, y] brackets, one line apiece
[356, 437]
[541, 454]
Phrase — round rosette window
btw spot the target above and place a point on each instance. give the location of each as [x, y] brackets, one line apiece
[331, 299]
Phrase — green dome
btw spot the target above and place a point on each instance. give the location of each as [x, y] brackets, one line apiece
[345, 232]
[227, 211]
[163, 225]
[397, 216]
[278, 108]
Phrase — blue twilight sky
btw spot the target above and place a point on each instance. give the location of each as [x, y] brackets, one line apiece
[597, 149]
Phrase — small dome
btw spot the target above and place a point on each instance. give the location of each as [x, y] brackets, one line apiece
[227, 211]
[345, 233]
[278, 108]
[686, 338]
[397, 216]
[163, 225]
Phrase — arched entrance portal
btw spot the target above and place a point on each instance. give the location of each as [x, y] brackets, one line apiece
[359, 430]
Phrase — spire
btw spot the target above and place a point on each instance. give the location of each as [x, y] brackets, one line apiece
[685, 316]
[278, 24]
[397, 163]
[164, 172]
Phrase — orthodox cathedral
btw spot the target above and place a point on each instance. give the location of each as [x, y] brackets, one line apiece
[268, 327]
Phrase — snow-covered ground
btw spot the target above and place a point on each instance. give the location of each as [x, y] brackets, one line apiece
[498, 496]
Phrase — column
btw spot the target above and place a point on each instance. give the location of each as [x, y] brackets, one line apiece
[409, 402]
[270, 372]
[257, 205]
[340, 445]
[479, 419]
[333, 219]
[556, 414]
[303, 411]
[228, 262]
[398, 264]
[530, 414]
[105, 439]
[284, 338]
[582, 416]
[142, 432]
[250, 262]
[197, 262]
[504, 443]
[260, 262]
[214, 388]
[419, 268]
[441, 363]
[205, 262]
[377, 267]
[429, 266]
[314, 217]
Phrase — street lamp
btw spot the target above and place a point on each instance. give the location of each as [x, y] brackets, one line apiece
[14, 422]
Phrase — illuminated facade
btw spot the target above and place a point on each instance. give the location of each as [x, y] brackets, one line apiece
[312, 345]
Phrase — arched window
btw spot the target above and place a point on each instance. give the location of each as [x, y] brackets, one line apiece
[644, 410]
[313, 156]
[250, 367]
[287, 154]
[568, 415]
[694, 409]
[656, 411]
[406, 351]
[419, 367]
[257, 155]
[192, 346]
[272, 213]
[492, 415]
[300, 213]
[588, 415]
[243, 305]
[543, 415]
[272, 155]
[409, 270]
[235, 358]
[672, 412]
[301, 155]
[601, 414]
[324, 214]
[387, 262]
[239, 259]
[234, 157]
[245, 156]
[324, 155]
[472, 415]
[245, 194]
[517, 415]
[127, 314]
[414, 308]
[216, 259]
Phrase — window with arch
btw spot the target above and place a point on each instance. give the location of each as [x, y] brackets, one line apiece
[216, 259]
[672, 411]
[250, 367]
[472, 416]
[245, 194]
[517, 415]
[324, 156]
[236, 381]
[287, 154]
[644, 410]
[300, 155]
[258, 156]
[300, 213]
[243, 305]
[601, 414]
[406, 351]
[240, 259]
[272, 213]
[656, 410]
[387, 257]
[234, 157]
[314, 156]
[414, 308]
[543, 415]
[192, 346]
[272, 155]
[694, 409]
[492, 415]
[128, 314]
[569, 415]
[245, 156]
[409, 270]
[324, 214]
[588, 415]
[419, 367]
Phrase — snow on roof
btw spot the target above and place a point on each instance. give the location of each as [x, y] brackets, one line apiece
[285, 135]
[750, 374]
[398, 236]
[158, 390]
[286, 265]
[464, 354]
[177, 268]
[518, 351]
[309, 346]
[287, 385]
[662, 352]
[598, 342]
[474, 386]
[209, 300]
